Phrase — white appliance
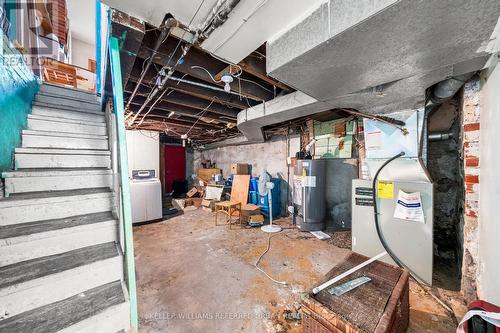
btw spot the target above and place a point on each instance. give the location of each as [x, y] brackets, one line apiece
[145, 195]
[411, 241]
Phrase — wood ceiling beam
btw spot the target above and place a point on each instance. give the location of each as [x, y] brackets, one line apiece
[223, 98]
[196, 57]
[187, 101]
[184, 122]
[179, 127]
[256, 67]
[167, 107]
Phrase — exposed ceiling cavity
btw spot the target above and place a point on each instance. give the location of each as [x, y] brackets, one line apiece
[380, 56]
[250, 24]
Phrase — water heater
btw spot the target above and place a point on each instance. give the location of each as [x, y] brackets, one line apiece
[309, 194]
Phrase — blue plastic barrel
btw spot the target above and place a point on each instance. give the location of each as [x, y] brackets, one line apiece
[253, 184]
[253, 197]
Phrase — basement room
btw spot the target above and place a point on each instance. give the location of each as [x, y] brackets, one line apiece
[250, 166]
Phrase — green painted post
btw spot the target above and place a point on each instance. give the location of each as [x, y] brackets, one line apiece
[116, 77]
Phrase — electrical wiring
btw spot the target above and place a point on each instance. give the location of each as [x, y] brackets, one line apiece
[209, 74]
[152, 106]
[202, 113]
[184, 33]
[262, 255]
[258, 84]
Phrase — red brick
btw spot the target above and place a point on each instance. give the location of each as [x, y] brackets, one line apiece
[469, 187]
[472, 162]
[472, 179]
[471, 127]
[471, 213]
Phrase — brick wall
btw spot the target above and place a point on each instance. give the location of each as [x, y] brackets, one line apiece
[471, 156]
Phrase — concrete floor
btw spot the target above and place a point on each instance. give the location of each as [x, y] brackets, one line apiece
[195, 277]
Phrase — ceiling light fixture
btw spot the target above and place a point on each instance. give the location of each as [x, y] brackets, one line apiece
[227, 79]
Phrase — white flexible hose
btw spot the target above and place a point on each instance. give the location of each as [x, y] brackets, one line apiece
[262, 255]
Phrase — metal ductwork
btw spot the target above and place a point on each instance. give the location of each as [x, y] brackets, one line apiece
[221, 16]
[446, 89]
[378, 56]
[280, 109]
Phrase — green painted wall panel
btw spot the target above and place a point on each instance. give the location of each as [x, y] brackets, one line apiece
[18, 86]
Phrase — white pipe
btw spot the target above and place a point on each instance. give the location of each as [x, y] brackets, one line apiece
[349, 272]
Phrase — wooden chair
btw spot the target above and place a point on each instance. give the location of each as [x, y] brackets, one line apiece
[239, 197]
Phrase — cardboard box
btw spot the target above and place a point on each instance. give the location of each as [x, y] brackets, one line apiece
[192, 192]
[240, 169]
[206, 174]
[209, 204]
[196, 202]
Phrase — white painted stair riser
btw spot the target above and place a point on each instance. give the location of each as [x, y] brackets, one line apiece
[65, 114]
[34, 161]
[22, 211]
[56, 183]
[63, 142]
[67, 93]
[113, 319]
[79, 105]
[56, 287]
[17, 249]
[65, 127]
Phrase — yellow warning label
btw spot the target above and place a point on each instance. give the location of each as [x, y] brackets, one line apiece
[385, 190]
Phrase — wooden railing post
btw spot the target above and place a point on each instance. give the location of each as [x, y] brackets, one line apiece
[116, 76]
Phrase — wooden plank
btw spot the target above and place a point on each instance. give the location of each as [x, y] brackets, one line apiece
[257, 67]
[219, 97]
[119, 108]
[197, 57]
[16, 230]
[59, 315]
[189, 103]
[239, 189]
[362, 308]
[39, 267]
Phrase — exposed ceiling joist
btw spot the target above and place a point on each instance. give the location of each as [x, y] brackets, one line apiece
[166, 108]
[196, 57]
[221, 97]
[256, 67]
[175, 97]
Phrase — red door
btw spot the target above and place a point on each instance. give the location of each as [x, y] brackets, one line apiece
[175, 165]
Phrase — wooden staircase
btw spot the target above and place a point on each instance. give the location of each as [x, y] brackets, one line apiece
[61, 269]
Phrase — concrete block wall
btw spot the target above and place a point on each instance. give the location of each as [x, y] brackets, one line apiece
[471, 116]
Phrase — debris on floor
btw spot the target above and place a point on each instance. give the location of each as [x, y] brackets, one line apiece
[179, 290]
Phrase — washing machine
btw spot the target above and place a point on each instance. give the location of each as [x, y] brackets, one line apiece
[145, 196]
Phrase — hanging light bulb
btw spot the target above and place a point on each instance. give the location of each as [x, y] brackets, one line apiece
[227, 79]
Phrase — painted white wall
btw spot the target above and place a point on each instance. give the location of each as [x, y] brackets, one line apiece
[81, 52]
[143, 150]
[489, 224]
[81, 15]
